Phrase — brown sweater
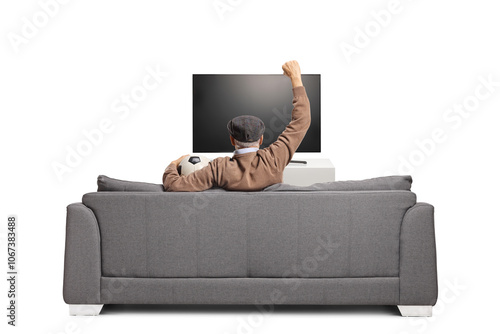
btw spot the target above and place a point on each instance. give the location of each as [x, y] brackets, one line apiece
[249, 171]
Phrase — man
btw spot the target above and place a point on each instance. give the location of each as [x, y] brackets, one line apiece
[250, 168]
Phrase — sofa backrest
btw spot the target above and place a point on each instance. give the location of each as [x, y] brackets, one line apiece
[244, 234]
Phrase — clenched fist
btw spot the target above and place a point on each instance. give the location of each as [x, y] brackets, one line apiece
[292, 70]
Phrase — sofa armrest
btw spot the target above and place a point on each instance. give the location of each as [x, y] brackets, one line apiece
[82, 260]
[417, 259]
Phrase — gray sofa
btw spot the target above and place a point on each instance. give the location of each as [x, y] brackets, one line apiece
[340, 243]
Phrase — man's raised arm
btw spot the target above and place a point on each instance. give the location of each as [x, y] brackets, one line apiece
[287, 143]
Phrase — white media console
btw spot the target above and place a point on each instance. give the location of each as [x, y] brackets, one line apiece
[316, 170]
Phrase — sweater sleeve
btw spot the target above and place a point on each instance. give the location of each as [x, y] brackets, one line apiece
[199, 180]
[284, 147]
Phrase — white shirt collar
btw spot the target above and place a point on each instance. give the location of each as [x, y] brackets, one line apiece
[245, 150]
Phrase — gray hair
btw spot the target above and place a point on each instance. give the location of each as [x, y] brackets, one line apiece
[241, 144]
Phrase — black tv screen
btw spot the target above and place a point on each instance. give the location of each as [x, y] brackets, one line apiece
[217, 98]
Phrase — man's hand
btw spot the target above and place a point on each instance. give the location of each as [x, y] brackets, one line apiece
[178, 161]
[292, 70]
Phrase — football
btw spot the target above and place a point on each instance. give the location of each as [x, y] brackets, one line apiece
[193, 163]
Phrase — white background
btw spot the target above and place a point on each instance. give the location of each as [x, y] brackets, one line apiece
[396, 90]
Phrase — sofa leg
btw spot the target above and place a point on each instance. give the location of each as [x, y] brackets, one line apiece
[415, 310]
[85, 309]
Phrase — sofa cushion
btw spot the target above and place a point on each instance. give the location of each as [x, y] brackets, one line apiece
[105, 183]
[395, 182]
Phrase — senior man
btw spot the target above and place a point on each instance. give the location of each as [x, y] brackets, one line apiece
[250, 168]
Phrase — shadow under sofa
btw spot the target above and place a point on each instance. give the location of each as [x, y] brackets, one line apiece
[338, 243]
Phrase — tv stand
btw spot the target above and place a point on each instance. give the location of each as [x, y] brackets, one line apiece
[312, 171]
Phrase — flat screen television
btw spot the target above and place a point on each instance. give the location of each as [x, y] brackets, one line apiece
[217, 98]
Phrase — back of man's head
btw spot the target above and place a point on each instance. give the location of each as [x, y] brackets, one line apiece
[246, 129]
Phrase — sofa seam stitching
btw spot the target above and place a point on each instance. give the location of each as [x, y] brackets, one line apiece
[146, 236]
